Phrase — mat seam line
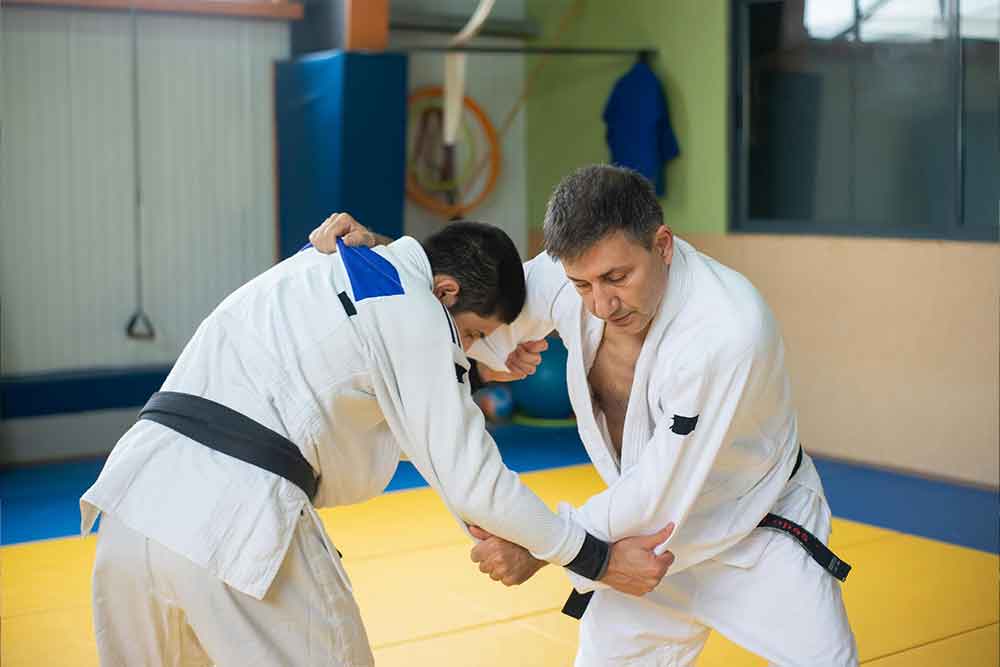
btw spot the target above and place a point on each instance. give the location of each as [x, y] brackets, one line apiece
[930, 642]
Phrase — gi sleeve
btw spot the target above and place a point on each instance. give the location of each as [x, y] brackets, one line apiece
[420, 383]
[670, 475]
[546, 283]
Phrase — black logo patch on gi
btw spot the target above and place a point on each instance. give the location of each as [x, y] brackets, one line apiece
[460, 373]
[684, 425]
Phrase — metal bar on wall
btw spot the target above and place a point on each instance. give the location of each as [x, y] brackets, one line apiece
[518, 50]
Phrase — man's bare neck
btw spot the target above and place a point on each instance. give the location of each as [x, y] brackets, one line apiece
[625, 337]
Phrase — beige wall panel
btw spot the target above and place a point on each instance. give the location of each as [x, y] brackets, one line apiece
[892, 345]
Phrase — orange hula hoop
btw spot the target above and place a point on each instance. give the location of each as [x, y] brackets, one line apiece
[420, 197]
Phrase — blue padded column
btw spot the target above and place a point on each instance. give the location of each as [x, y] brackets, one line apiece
[341, 142]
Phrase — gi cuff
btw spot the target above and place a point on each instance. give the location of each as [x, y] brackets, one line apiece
[591, 561]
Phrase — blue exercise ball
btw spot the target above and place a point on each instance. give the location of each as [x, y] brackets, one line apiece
[496, 401]
[544, 394]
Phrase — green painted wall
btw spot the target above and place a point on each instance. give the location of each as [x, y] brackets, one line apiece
[564, 126]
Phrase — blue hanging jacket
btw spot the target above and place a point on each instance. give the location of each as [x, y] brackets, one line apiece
[639, 133]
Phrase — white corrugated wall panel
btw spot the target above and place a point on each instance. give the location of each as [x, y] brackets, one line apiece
[67, 179]
[205, 100]
[65, 188]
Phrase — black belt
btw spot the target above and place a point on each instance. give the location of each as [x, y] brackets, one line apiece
[819, 551]
[234, 434]
[577, 603]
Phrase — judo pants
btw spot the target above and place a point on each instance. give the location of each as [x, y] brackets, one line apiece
[784, 607]
[153, 607]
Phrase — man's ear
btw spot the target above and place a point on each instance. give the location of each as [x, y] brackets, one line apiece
[446, 289]
[663, 243]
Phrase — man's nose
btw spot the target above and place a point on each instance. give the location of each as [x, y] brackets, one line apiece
[605, 302]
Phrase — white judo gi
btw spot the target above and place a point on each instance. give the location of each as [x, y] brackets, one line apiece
[709, 442]
[204, 558]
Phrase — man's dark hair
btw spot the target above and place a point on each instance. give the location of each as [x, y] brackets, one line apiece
[596, 201]
[486, 264]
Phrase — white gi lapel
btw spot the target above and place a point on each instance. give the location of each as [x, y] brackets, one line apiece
[639, 417]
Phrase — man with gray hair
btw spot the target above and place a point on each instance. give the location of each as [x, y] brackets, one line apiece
[676, 375]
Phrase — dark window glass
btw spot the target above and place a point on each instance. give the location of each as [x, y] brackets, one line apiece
[866, 117]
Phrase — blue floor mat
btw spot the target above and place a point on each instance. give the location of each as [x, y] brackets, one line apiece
[42, 501]
[938, 510]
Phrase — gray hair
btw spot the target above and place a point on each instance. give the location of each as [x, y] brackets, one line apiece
[596, 201]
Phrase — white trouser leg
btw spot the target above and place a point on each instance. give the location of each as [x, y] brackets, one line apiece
[308, 616]
[133, 623]
[620, 629]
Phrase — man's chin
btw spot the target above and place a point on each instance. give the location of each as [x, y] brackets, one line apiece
[634, 324]
[623, 322]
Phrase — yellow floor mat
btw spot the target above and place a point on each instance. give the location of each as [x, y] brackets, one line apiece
[913, 602]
